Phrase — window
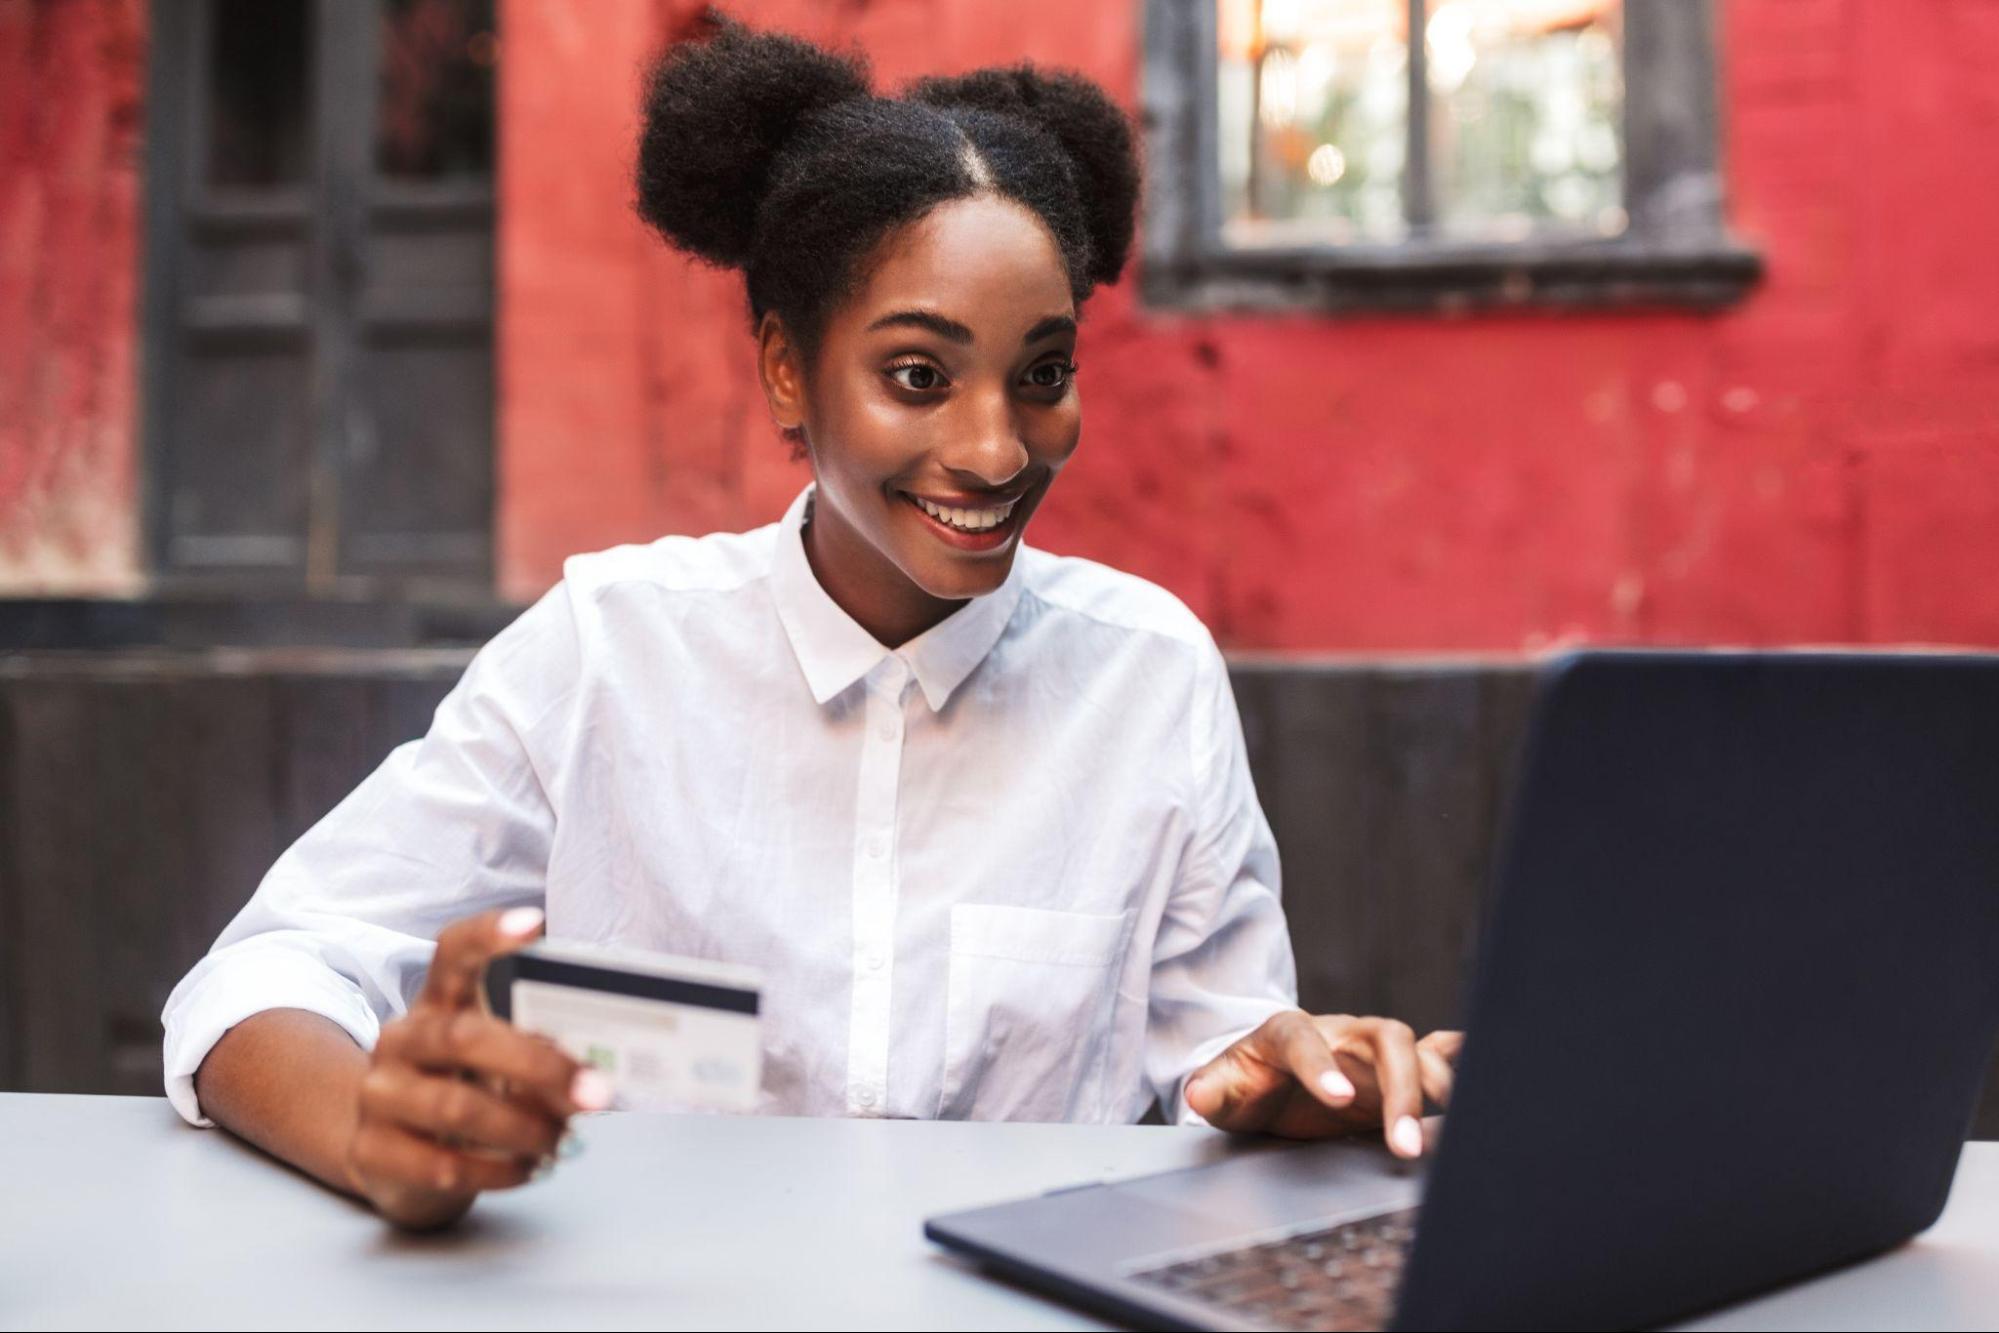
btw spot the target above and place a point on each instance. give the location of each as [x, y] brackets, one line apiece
[1310, 154]
[258, 122]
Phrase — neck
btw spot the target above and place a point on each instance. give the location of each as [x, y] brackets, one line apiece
[866, 584]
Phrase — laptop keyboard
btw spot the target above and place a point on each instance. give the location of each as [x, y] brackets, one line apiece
[1342, 1277]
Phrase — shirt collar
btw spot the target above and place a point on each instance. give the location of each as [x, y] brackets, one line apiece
[834, 651]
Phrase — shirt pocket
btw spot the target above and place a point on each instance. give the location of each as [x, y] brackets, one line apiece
[1028, 1010]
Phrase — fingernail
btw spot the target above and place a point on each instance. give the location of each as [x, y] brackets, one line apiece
[590, 1090]
[1192, 1084]
[520, 922]
[1407, 1137]
[1336, 1084]
[569, 1145]
[543, 1169]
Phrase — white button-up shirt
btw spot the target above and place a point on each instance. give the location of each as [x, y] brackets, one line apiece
[1013, 869]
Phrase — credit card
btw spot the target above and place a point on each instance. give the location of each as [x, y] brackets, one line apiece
[673, 1034]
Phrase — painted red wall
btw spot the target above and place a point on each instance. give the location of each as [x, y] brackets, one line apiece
[1819, 464]
[72, 75]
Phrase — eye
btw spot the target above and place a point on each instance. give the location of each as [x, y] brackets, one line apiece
[923, 376]
[1064, 372]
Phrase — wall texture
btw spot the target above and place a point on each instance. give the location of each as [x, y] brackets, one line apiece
[1819, 464]
[72, 81]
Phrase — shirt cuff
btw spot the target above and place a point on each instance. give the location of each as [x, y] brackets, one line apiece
[234, 989]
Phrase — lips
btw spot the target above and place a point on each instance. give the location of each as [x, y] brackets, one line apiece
[969, 525]
[967, 515]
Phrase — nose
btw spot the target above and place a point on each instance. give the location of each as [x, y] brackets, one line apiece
[993, 454]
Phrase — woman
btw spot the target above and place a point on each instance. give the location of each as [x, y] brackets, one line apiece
[980, 814]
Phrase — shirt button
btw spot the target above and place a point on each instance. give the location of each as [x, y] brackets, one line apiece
[876, 960]
[878, 846]
[866, 1096]
[888, 730]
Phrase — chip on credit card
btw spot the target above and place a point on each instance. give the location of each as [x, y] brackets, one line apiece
[671, 1033]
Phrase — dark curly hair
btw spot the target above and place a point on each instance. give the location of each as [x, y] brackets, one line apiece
[763, 152]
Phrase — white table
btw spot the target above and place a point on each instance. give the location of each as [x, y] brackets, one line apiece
[113, 1213]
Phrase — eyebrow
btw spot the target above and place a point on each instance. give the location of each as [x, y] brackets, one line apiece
[945, 327]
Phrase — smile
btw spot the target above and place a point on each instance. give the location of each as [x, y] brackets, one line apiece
[963, 519]
[970, 529]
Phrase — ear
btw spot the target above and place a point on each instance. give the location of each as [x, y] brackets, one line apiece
[780, 366]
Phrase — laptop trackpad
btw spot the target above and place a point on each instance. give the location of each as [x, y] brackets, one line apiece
[1273, 1188]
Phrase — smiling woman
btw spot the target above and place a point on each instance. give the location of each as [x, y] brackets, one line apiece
[980, 815]
[934, 438]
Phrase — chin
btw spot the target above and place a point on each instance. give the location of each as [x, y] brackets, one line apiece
[956, 580]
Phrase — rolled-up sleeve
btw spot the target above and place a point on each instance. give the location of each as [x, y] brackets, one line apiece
[461, 820]
[1222, 960]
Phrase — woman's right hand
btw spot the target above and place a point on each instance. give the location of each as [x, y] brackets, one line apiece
[456, 1101]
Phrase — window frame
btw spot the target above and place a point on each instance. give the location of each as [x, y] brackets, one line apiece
[1676, 251]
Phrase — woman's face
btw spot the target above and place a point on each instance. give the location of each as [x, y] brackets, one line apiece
[940, 409]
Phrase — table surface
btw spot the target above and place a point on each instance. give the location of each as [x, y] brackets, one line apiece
[117, 1214]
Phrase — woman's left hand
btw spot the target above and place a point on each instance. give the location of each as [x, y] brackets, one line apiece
[1307, 1077]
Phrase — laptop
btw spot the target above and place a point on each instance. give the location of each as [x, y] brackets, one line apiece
[1737, 991]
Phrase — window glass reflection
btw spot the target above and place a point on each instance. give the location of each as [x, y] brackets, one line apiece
[1314, 119]
[1527, 101]
[258, 92]
[435, 118]
[1525, 110]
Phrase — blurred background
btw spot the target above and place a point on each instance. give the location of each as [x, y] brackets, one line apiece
[1460, 330]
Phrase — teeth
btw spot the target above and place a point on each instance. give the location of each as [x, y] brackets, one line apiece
[966, 520]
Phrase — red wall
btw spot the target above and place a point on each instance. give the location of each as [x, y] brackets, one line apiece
[1819, 464]
[72, 75]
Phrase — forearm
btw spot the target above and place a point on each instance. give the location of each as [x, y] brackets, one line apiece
[288, 1081]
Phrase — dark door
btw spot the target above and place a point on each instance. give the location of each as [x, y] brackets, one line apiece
[319, 386]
